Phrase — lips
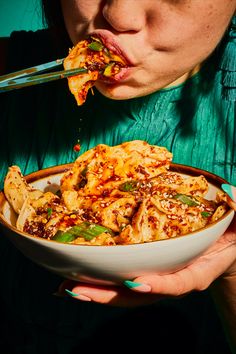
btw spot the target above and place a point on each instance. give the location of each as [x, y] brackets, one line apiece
[123, 73]
[110, 41]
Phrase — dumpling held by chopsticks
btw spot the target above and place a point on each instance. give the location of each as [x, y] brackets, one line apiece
[99, 62]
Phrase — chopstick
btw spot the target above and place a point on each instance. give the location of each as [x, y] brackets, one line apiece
[28, 77]
[31, 71]
[39, 79]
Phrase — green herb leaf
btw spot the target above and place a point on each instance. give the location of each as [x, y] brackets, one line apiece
[129, 186]
[205, 214]
[185, 199]
[96, 46]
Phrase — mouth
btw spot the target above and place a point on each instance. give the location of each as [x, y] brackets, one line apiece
[115, 79]
[110, 42]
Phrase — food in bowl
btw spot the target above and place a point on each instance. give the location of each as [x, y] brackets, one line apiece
[104, 264]
[115, 195]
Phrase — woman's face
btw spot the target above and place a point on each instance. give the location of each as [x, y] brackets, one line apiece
[163, 40]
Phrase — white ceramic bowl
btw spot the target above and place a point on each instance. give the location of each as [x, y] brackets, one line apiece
[112, 264]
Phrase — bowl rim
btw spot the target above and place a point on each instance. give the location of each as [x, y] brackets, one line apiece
[44, 173]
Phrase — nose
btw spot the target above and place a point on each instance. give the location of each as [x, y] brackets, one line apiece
[125, 15]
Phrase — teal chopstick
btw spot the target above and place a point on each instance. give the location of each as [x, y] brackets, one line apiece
[31, 71]
[21, 82]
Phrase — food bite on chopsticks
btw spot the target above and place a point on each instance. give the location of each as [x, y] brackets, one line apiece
[101, 63]
[114, 195]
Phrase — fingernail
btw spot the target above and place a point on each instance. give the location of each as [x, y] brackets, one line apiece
[78, 296]
[230, 190]
[144, 288]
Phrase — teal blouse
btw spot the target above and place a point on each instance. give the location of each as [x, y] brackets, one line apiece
[39, 127]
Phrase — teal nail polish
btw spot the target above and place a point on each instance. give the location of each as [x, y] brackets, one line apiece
[71, 293]
[230, 190]
[79, 296]
[143, 288]
[131, 284]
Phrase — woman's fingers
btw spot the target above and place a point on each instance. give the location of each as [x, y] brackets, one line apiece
[218, 260]
[112, 295]
[198, 275]
[231, 194]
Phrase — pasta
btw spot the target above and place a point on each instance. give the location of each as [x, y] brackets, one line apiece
[114, 195]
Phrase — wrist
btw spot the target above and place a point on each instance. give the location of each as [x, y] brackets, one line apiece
[230, 272]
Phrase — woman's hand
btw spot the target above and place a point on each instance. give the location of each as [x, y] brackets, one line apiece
[218, 261]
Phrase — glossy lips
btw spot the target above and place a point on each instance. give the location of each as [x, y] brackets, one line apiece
[110, 42]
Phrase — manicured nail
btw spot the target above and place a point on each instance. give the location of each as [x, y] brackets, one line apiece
[144, 288]
[230, 190]
[78, 296]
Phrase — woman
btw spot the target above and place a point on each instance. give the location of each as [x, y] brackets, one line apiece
[178, 92]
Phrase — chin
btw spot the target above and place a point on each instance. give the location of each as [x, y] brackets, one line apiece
[121, 92]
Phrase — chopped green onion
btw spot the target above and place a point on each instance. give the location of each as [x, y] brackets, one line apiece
[96, 46]
[49, 211]
[83, 181]
[108, 70]
[66, 237]
[205, 214]
[129, 186]
[83, 173]
[185, 199]
[86, 230]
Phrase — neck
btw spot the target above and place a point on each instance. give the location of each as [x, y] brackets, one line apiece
[184, 77]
